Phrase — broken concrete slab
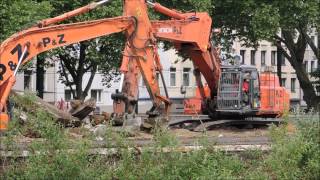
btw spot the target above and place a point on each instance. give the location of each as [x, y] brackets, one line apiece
[82, 110]
[60, 116]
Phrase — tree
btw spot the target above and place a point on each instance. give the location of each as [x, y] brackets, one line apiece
[20, 14]
[101, 55]
[285, 23]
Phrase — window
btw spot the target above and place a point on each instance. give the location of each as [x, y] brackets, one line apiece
[283, 82]
[142, 82]
[305, 64]
[283, 60]
[313, 39]
[172, 76]
[317, 90]
[313, 68]
[242, 54]
[263, 58]
[253, 57]
[45, 80]
[67, 95]
[96, 94]
[293, 85]
[27, 80]
[273, 57]
[186, 76]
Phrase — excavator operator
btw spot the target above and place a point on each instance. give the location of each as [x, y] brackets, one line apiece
[245, 89]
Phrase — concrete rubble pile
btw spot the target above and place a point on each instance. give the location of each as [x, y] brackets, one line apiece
[73, 118]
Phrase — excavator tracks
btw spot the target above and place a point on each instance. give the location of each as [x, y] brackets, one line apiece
[204, 123]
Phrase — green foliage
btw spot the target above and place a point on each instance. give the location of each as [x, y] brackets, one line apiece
[254, 20]
[19, 14]
[265, 22]
[163, 138]
[188, 5]
[297, 157]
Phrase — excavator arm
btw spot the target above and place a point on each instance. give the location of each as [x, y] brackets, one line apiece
[190, 33]
[143, 60]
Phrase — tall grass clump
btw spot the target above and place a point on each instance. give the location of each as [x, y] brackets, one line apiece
[296, 156]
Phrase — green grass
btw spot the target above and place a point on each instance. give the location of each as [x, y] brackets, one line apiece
[292, 157]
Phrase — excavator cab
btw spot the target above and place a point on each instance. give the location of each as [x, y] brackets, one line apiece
[239, 90]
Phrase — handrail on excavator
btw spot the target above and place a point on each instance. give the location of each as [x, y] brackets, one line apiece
[73, 13]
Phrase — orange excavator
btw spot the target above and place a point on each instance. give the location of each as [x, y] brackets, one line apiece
[140, 54]
[190, 33]
[223, 97]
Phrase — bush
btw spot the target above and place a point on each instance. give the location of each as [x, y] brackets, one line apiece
[296, 156]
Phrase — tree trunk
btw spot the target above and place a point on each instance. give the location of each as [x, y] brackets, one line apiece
[40, 76]
[309, 94]
[80, 71]
[279, 64]
[79, 88]
[294, 51]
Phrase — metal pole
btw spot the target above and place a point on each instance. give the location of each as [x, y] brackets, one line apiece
[121, 82]
[151, 4]
[102, 2]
